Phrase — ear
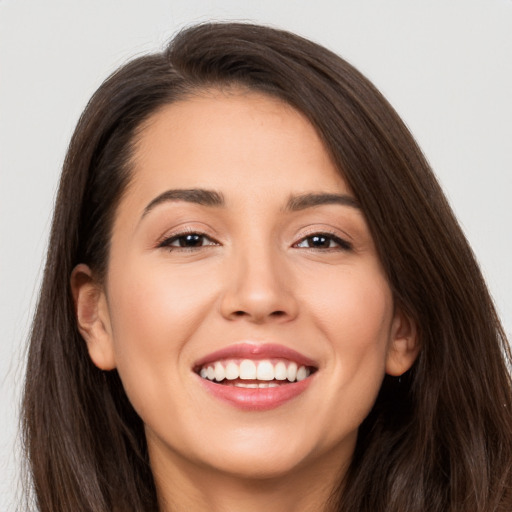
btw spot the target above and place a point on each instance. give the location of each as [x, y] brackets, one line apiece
[404, 344]
[93, 317]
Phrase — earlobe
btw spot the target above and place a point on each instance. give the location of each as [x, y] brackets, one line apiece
[404, 345]
[92, 316]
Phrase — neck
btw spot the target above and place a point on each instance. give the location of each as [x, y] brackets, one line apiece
[182, 487]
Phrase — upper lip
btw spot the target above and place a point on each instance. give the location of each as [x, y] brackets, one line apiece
[256, 351]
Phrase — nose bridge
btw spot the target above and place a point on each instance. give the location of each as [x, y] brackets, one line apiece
[258, 286]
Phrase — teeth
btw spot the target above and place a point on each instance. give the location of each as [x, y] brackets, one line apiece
[301, 373]
[265, 371]
[220, 373]
[232, 371]
[280, 372]
[256, 385]
[247, 369]
[291, 373]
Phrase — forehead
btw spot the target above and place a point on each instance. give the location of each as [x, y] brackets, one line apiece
[236, 141]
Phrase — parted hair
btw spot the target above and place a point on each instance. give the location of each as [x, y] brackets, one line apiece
[439, 439]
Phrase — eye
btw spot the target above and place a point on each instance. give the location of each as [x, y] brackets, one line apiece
[187, 241]
[324, 241]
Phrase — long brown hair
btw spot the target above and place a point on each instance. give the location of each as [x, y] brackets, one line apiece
[438, 439]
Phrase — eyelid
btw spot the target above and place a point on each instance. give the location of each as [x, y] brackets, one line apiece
[343, 243]
[165, 241]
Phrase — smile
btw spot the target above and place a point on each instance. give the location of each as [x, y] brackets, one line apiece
[262, 374]
[255, 377]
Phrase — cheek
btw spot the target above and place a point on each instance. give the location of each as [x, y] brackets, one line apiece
[151, 294]
[354, 307]
[154, 312]
[355, 316]
[361, 330]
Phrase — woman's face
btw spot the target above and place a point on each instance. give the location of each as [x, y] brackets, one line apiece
[240, 259]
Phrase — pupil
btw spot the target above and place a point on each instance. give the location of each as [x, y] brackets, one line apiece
[319, 241]
[191, 240]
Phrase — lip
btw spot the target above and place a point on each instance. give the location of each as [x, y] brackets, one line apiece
[256, 351]
[264, 399]
[259, 399]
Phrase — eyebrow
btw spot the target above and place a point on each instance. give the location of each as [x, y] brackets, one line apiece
[303, 201]
[192, 195]
[216, 199]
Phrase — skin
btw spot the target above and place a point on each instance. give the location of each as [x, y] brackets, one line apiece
[255, 278]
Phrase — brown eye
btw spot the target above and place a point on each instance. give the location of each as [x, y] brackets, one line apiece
[324, 241]
[187, 241]
[319, 242]
[192, 240]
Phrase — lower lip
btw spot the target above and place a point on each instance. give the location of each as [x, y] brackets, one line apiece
[256, 399]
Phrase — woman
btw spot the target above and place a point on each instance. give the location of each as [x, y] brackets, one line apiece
[257, 297]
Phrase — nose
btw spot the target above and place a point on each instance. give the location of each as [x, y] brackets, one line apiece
[259, 289]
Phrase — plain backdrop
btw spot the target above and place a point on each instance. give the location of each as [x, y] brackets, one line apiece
[446, 66]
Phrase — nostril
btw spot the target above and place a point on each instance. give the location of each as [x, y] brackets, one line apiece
[274, 314]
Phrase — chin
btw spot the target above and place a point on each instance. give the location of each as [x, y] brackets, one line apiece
[260, 454]
[261, 467]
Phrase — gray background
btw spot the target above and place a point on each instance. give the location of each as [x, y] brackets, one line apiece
[446, 66]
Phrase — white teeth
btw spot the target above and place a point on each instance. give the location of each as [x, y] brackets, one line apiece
[291, 372]
[254, 385]
[302, 373]
[220, 373]
[247, 370]
[232, 372]
[265, 371]
[280, 371]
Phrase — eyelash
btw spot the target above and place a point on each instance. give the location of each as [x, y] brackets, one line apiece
[167, 242]
[342, 245]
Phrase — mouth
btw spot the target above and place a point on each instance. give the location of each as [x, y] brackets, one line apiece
[252, 374]
[255, 377]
